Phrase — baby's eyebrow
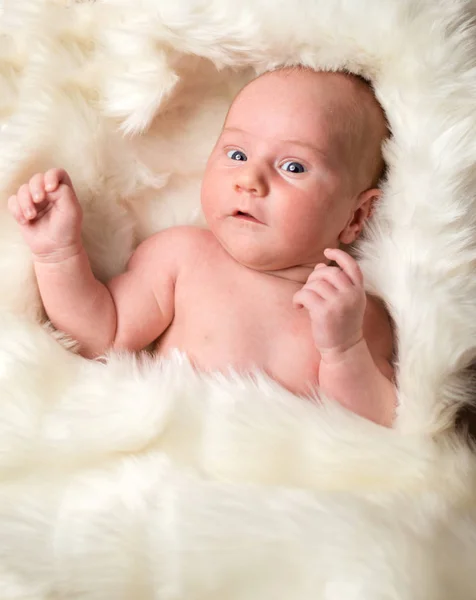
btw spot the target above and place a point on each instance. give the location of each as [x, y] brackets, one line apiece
[234, 129]
[314, 148]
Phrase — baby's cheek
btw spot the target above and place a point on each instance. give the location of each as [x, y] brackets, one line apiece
[302, 223]
[209, 195]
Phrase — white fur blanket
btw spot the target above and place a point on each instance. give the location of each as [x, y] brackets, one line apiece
[138, 480]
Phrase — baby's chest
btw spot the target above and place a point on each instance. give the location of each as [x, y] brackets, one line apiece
[244, 323]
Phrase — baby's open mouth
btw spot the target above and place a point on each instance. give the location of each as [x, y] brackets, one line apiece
[239, 214]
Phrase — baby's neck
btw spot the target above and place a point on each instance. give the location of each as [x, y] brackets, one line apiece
[298, 274]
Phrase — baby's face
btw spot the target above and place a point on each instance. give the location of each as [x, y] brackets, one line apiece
[277, 189]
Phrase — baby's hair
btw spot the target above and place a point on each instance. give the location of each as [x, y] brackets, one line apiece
[380, 172]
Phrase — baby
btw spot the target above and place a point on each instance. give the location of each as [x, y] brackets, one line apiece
[293, 176]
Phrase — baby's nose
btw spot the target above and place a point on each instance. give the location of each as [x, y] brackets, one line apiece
[251, 181]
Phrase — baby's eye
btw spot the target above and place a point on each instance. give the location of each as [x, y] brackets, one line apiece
[292, 166]
[236, 155]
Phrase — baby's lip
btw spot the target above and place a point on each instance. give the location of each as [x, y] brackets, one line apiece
[247, 216]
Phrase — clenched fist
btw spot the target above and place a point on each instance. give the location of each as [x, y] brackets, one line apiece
[49, 215]
[336, 300]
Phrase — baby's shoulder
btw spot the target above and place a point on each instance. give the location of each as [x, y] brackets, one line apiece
[179, 245]
[189, 235]
[179, 239]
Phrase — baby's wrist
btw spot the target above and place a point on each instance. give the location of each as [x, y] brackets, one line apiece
[58, 255]
[343, 352]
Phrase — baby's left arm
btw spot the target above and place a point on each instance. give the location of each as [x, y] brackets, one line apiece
[354, 338]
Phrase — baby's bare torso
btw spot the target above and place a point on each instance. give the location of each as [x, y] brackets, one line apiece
[227, 315]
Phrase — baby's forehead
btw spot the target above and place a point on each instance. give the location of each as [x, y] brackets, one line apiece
[330, 96]
[299, 102]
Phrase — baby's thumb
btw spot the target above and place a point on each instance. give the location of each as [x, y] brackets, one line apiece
[298, 300]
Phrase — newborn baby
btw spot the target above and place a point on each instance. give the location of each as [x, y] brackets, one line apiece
[293, 176]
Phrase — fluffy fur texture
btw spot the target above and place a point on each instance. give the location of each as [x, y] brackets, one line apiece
[137, 479]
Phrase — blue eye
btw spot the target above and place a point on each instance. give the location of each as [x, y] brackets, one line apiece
[237, 155]
[292, 166]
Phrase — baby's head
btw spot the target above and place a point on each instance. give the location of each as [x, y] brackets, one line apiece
[296, 167]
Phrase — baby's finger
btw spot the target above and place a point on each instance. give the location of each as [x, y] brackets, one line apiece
[25, 201]
[324, 288]
[42, 210]
[334, 275]
[306, 298]
[339, 279]
[15, 210]
[54, 177]
[346, 263]
[316, 271]
[37, 188]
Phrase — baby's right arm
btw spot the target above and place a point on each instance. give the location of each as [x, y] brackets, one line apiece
[130, 312]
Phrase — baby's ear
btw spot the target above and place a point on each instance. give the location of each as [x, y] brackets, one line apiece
[365, 207]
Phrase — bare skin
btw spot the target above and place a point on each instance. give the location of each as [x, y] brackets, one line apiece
[256, 290]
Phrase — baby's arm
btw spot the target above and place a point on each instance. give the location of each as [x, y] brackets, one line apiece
[361, 378]
[129, 312]
[355, 366]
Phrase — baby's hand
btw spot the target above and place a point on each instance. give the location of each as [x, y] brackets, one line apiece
[336, 300]
[49, 215]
